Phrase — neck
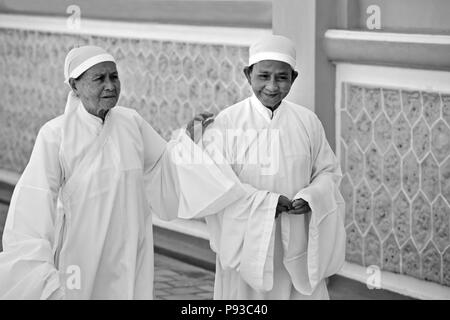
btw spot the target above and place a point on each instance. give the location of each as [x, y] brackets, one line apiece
[275, 107]
[102, 114]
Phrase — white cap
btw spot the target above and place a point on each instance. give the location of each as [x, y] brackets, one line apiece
[273, 47]
[80, 59]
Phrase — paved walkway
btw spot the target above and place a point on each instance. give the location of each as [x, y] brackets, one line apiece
[176, 280]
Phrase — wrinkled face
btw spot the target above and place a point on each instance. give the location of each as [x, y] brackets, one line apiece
[98, 88]
[271, 81]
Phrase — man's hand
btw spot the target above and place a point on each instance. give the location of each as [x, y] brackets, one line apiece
[284, 205]
[196, 126]
[299, 206]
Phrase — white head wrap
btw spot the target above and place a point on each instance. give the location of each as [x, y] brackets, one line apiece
[273, 47]
[80, 59]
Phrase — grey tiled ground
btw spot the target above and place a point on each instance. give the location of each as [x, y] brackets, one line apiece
[176, 280]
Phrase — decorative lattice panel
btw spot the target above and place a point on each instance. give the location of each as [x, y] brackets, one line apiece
[395, 155]
[166, 81]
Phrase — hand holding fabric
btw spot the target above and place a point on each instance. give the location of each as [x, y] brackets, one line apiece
[284, 205]
[193, 128]
[299, 206]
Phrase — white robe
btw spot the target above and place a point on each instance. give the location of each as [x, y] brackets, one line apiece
[79, 224]
[287, 154]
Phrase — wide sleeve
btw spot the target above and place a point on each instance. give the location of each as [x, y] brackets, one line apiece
[242, 234]
[27, 269]
[326, 231]
[184, 182]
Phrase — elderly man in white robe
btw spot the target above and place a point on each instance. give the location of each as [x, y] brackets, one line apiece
[287, 235]
[79, 224]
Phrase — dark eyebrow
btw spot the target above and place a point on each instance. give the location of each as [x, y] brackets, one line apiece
[282, 74]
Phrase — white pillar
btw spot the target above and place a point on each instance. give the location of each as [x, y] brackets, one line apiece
[296, 20]
[305, 22]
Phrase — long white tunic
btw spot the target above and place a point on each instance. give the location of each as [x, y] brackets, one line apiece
[284, 153]
[79, 224]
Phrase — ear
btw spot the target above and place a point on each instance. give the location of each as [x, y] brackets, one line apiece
[73, 85]
[294, 75]
[248, 74]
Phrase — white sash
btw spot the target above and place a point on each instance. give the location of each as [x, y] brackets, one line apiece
[73, 182]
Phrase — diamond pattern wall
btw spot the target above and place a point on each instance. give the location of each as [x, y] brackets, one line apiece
[395, 156]
[166, 81]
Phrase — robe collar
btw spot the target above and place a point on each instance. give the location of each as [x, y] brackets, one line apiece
[92, 121]
[267, 114]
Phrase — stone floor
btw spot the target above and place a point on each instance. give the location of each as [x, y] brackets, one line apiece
[176, 280]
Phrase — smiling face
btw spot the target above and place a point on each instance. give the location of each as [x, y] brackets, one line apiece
[271, 81]
[98, 88]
